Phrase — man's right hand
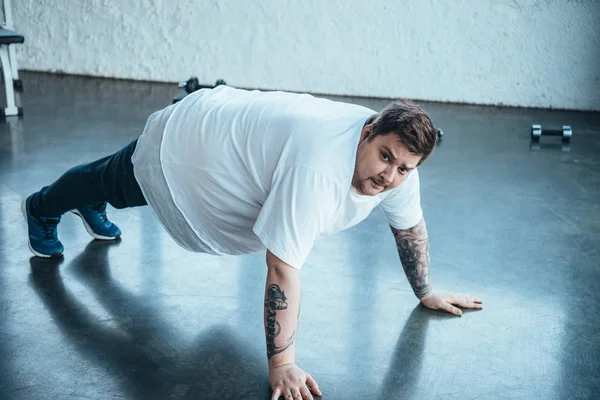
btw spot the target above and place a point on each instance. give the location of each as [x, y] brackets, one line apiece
[292, 383]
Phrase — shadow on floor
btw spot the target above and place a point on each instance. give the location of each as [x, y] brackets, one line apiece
[147, 357]
[139, 349]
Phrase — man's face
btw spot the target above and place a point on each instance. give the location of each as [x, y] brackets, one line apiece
[381, 164]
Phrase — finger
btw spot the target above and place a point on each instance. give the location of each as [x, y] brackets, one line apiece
[451, 309]
[288, 395]
[472, 306]
[474, 302]
[462, 300]
[468, 302]
[476, 305]
[276, 394]
[312, 384]
[306, 394]
[471, 299]
[296, 394]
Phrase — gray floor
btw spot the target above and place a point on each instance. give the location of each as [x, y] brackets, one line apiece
[144, 319]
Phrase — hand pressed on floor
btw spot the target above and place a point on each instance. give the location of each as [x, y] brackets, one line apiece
[292, 383]
[437, 300]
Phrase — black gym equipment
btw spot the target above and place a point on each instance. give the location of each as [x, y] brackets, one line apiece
[537, 132]
[192, 85]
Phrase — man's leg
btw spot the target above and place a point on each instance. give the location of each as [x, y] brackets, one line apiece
[85, 189]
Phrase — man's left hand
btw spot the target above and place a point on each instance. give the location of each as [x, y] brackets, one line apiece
[437, 300]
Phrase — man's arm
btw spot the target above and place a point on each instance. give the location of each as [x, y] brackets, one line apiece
[282, 306]
[413, 248]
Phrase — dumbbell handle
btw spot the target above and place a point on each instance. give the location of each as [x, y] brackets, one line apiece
[206, 87]
[182, 85]
[552, 132]
[565, 132]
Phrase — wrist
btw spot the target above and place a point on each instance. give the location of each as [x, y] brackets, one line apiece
[275, 365]
[423, 291]
[284, 358]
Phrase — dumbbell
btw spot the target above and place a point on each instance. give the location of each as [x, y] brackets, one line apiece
[192, 85]
[537, 132]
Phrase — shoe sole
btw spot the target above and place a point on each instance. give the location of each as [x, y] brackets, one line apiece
[41, 255]
[89, 229]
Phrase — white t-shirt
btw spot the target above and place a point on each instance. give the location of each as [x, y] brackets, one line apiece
[250, 170]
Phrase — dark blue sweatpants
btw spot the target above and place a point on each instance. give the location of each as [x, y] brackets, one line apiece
[109, 179]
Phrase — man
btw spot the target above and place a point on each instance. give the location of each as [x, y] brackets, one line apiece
[230, 171]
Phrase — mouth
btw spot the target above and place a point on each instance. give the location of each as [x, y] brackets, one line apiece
[377, 183]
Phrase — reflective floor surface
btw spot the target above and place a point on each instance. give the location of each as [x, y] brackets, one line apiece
[143, 319]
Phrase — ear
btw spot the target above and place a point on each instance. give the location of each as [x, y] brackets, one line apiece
[366, 132]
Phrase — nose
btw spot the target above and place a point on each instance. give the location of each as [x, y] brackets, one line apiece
[388, 176]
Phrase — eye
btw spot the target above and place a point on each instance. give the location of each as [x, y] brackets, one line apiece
[385, 156]
[403, 170]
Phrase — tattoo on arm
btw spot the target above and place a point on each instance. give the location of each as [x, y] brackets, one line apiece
[413, 248]
[275, 301]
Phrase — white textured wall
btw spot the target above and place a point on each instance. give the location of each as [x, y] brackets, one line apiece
[520, 52]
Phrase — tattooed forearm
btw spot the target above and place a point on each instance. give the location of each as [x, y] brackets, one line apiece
[413, 248]
[275, 301]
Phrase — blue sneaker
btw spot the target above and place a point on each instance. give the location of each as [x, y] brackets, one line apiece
[96, 223]
[43, 240]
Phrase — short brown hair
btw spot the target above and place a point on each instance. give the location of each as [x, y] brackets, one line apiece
[410, 123]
